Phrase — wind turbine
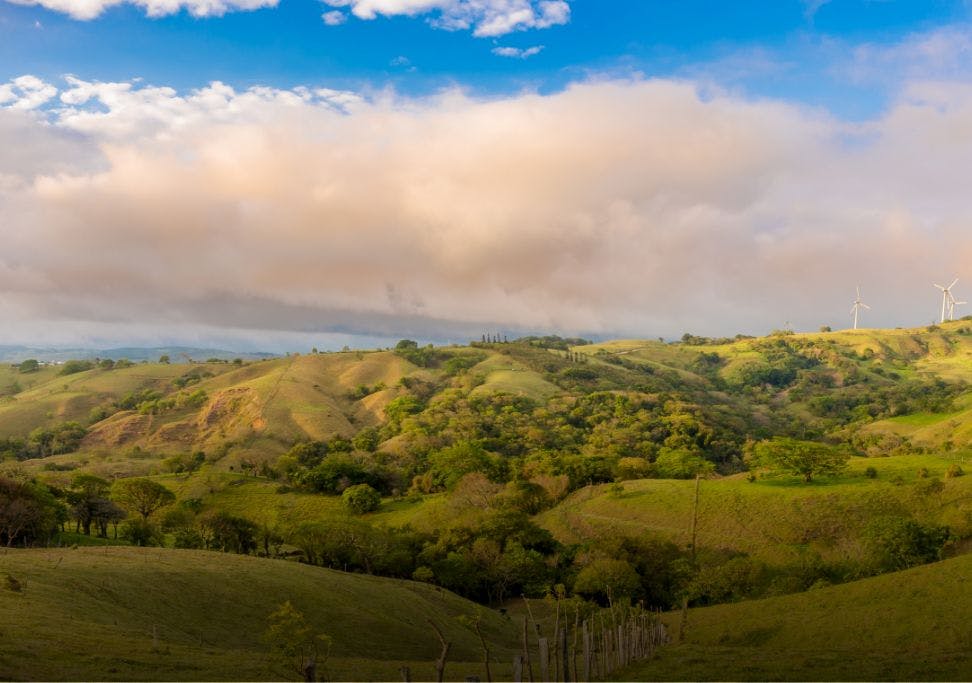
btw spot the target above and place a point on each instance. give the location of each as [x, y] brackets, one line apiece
[947, 298]
[952, 303]
[858, 305]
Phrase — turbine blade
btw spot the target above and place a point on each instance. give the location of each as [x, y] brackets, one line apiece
[953, 283]
[866, 306]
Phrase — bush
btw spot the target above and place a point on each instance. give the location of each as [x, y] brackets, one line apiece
[953, 471]
[74, 366]
[607, 579]
[361, 498]
[898, 543]
[142, 532]
[29, 365]
[632, 468]
[680, 463]
[870, 473]
[423, 574]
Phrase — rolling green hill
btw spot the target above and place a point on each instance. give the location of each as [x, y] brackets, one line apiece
[155, 614]
[497, 469]
[778, 520]
[910, 625]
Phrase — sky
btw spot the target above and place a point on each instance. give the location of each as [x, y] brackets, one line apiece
[281, 174]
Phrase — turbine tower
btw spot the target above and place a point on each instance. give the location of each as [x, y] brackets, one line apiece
[952, 303]
[858, 305]
[947, 299]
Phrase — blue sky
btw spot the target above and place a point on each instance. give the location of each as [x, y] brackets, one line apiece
[778, 48]
[280, 176]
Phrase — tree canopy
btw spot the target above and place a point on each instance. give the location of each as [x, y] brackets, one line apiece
[806, 458]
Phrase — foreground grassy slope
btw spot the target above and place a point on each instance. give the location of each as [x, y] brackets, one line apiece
[90, 613]
[911, 625]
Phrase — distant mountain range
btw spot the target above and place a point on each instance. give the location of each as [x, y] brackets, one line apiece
[15, 354]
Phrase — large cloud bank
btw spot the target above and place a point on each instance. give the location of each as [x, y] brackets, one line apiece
[616, 208]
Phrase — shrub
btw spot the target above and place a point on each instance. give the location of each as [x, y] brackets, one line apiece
[423, 574]
[954, 470]
[898, 542]
[74, 366]
[870, 473]
[680, 463]
[607, 579]
[29, 365]
[632, 468]
[361, 498]
[142, 532]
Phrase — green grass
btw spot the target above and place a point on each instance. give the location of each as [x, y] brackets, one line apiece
[507, 376]
[90, 613]
[911, 625]
[775, 519]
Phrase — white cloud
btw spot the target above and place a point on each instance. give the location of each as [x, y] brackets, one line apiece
[942, 53]
[26, 92]
[91, 9]
[634, 207]
[517, 52]
[334, 18]
[486, 18]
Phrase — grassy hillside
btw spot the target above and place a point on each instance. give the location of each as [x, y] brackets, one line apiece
[775, 519]
[90, 614]
[507, 469]
[911, 625]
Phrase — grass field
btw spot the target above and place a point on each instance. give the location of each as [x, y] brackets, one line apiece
[90, 614]
[911, 625]
[774, 519]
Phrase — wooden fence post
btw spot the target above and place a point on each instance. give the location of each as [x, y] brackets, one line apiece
[563, 652]
[526, 649]
[544, 661]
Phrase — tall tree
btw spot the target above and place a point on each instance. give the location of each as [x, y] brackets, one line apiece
[142, 496]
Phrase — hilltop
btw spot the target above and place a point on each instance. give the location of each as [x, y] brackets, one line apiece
[883, 390]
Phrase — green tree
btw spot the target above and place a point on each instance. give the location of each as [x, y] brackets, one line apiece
[607, 579]
[142, 532]
[450, 464]
[28, 512]
[897, 543]
[681, 463]
[87, 496]
[29, 365]
[806, 458]
[142, 496]
[164, 359]
[72, 367]
[225, 532]
[361, 498]
[294, 643]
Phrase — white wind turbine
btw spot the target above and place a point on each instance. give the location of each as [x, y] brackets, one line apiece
[947, 306]
[952, 303]
[858, 305]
